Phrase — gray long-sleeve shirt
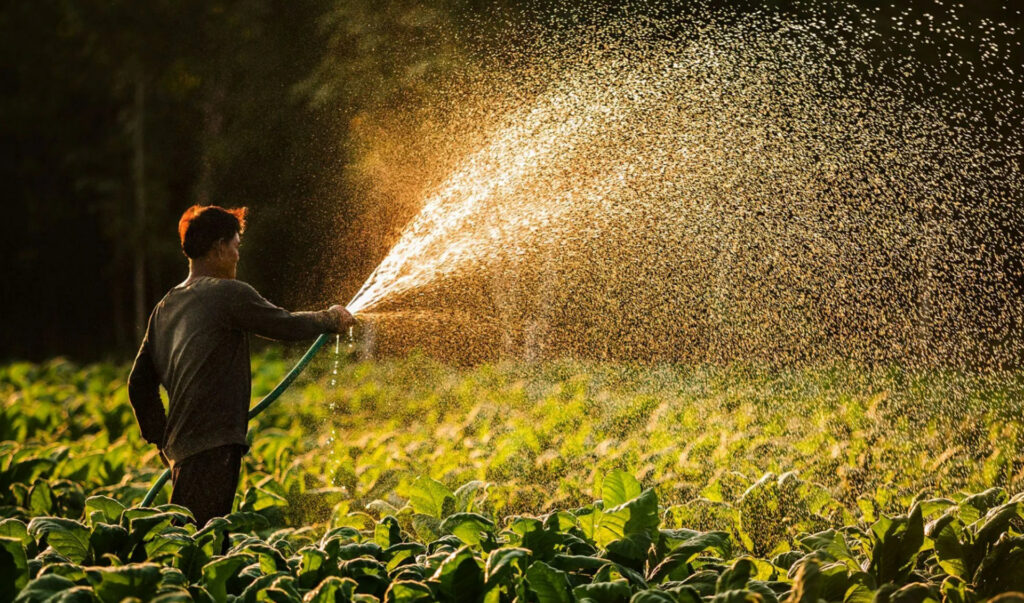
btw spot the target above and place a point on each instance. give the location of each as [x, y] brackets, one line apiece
[197, 346]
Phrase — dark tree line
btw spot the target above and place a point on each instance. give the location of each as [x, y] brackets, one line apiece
[118, 115]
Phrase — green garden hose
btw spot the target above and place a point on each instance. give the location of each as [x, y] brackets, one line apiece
[260, 407]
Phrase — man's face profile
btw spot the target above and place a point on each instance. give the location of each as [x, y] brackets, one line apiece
[225, 254]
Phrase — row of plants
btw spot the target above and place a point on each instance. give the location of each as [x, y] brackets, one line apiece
[871, 437]
[440, 548]
[364, 521]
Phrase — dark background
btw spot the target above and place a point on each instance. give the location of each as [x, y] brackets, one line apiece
[239, 103]
[117, 115]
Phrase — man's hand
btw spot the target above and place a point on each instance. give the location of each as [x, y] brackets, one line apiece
[345, 318]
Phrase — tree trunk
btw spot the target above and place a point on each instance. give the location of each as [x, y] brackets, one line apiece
[139, 178]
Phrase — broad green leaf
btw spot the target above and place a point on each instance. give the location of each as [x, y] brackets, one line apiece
[529, 533]
[109, 509]
[403, 591]
[769, 596]
[112, 584]
[549, 584]
[402, 554]
[589, 519]
[78, 594]
[813, 580]
[200, 594]
[343, 533]
[670, 539]
[143, 527]
[217, 573]
[935, 506]
[383, 508]
[430, 497]
[67, 536]
[71, 571]
[174, 596]
[337, 551]
[561, 521]
[107, 539]
[975, 507]
[270, 559]
[14, 528]
[736, 577]
[361, 566]
[503, 562]
[310, 571]
[460, 575]
[25, 471]
[832, 543]
[917, 592]
[636, 516]
[245, 521]
[470, 528]
[171, 576]
[387, 532]
[993, 525]
[738, 596]
[258, 499]
[173, 508]
[946, 533]
[167, 543]
[654, 596]
[467, 494]
[275, 594]
[370, 574]
[631, 550]
[807, 583]
[674, 565]
[1002, 569]
[40, 499]
[13, 567]
[283, 589]
[955, 590]
[867, 509]
[685, 594]
[617, 591]
[44, 587]
[427, 527]
[896, 543]
[619, 487]
[332, 589]
[575, 563]
[256, 590]
[615, 571]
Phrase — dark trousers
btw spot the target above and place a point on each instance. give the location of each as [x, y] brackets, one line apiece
[205, 483]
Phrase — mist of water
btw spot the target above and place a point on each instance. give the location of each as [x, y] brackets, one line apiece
[765, 187]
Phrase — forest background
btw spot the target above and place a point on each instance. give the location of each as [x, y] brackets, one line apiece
[115, 116]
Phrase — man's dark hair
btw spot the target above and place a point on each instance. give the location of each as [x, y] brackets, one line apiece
[202, 226]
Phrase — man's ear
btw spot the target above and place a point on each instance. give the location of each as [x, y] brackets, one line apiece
[218, 247]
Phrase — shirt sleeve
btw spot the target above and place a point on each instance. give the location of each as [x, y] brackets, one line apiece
[144, 394]
[249, 311]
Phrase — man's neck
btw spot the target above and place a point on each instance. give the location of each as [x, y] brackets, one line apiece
[197, 269]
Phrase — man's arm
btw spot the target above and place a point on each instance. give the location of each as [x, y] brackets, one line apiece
[144, 395]
[249, 311]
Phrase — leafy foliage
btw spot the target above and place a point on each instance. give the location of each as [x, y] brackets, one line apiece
[72, 529]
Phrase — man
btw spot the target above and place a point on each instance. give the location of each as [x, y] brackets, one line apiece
[197, 346]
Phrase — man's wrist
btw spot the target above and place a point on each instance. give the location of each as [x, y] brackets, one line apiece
[333, 321]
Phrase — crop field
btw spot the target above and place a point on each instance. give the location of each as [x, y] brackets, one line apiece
[410, 480]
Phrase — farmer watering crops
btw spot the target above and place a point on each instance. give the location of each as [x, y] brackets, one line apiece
[197, 346]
